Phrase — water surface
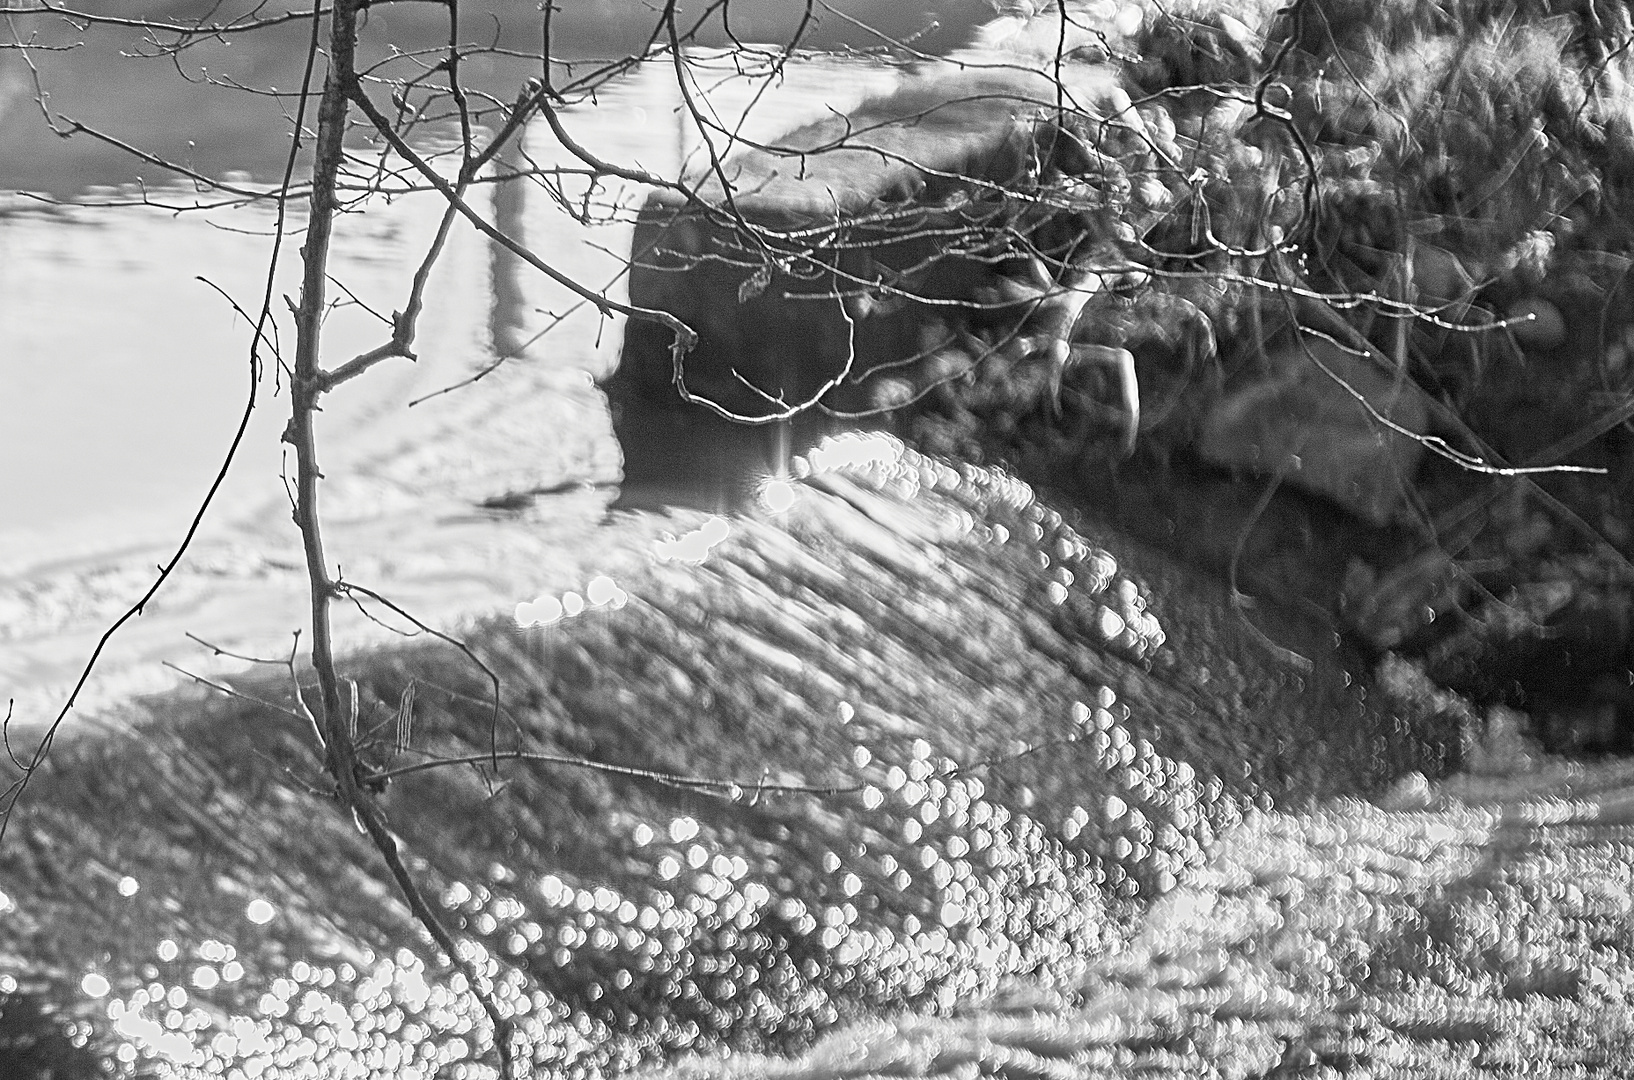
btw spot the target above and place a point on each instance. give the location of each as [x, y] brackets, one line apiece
[125, 368]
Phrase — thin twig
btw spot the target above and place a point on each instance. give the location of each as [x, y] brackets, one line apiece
[699, 783]
[343, 588]
[233, 692]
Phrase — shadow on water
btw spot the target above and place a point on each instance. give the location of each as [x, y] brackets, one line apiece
[690, 458]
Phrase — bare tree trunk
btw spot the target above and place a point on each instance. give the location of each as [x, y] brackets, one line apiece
[307, 384]
[334, 723]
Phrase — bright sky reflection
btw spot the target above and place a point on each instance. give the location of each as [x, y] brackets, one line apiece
[729, 939]
[543, 610]
[776, 496]
[854, 449]
[1007, 898]
[694, 546]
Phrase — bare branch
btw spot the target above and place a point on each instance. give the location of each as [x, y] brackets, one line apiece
[307, 387]
[232, 692]
[685, 336]
[733, 789]
[150, 25]
[346, 588]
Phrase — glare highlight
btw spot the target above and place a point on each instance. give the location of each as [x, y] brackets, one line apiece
[545, 609]
[694, 547]
[854, 450]
[776, 496]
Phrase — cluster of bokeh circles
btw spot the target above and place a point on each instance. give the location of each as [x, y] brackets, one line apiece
[935, 794]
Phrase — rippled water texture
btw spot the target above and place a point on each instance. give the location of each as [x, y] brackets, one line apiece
[882, 741]
[1010, 762]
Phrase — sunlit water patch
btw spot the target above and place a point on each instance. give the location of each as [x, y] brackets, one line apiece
[882, 749]
[893, 734]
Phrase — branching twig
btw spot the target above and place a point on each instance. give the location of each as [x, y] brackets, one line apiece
[344, 588]
[308, 383]
[233, 692]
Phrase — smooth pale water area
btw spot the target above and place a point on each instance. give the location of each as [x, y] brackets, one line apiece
[125, 371]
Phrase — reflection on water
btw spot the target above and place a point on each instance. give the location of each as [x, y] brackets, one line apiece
[126, 364]
[854, 450]
[694, 546]
[545, 609]
[989, 778]
[198, 123]
[125, 376]
[720, 957]
[220, 930]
